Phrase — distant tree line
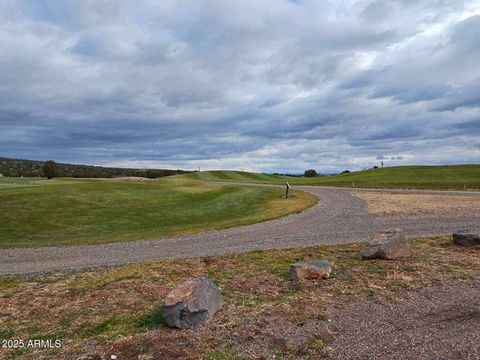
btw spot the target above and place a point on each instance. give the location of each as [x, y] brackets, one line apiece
[32, 168]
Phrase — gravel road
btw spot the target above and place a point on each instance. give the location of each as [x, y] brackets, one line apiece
[338, 218]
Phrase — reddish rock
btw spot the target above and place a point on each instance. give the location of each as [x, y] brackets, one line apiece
[310, 270]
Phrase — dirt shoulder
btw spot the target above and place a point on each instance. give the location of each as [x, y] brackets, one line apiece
[436, 322]
[381, 203]
[367, 309]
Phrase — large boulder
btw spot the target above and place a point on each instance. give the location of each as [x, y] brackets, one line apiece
[389, 244]
[310, 270]
[193, 302]
[466, 238]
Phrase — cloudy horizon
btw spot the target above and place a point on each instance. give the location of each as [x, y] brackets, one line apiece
[267, 86]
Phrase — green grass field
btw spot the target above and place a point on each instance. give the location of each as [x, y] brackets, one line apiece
[67, 212]
[403, 177]
[6, 182]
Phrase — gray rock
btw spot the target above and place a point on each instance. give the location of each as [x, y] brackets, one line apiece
[310, 270]
[389, 244]
[466, 238]
[193, 302]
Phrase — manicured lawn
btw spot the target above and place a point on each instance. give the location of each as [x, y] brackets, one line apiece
[6, 182]
[403, 177]
[68, 212]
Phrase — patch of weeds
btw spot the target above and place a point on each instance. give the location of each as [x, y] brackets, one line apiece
[341, 275]
[6, 333]
[375, 268]
[249, 300]
[398, 285]
[443, 242]
[371, 291]
[7, 295]
[350, 261]
[101, 285]
[222, 355]
[151, 320]
[65, 321]
[421, 241]
[108, 328]
[292, 291]
[291, 353]
[466, 276]
[8, 283]
[317, 349]
[409, 269]
[316, 345]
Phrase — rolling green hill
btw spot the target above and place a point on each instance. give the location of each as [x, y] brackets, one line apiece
[401, 177]
[36, 212]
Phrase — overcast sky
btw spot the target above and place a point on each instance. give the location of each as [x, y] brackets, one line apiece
[258, 85]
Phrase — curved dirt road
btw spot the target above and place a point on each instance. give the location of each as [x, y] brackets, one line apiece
[338, 218]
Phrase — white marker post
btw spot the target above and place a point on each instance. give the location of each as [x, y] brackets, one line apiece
[287, 186]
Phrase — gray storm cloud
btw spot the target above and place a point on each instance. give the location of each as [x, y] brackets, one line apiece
[255, 85]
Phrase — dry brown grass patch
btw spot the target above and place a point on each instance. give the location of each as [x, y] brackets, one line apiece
[419, 204]
[265, 313]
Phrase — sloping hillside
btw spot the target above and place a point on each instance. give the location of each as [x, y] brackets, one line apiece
[403, 177]
[32, 168]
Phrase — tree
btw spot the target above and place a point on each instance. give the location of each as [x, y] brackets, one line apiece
[375, 167]
[345, 172]
[310, 173]
[50, 169]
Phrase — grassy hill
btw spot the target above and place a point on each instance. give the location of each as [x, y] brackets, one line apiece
[402, 177]
[36, 212]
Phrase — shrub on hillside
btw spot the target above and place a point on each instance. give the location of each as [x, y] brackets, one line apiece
[50, 169]
[310, 173]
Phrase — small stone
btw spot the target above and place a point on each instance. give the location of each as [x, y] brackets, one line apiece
[310, 270]
[193, 302]
[389, 245]
[466, 238]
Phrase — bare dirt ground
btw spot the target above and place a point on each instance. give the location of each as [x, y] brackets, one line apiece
[436, 322]
[339, 217]
[419, 204]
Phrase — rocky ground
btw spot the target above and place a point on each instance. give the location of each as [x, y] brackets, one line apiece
[425, 306]
[339, 217]
[436, 322]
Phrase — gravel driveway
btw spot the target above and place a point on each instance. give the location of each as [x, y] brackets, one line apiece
[338, 218]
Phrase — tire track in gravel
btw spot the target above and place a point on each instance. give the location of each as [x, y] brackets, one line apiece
[339, 217]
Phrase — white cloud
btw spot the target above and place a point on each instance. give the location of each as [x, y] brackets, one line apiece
[255, 85]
